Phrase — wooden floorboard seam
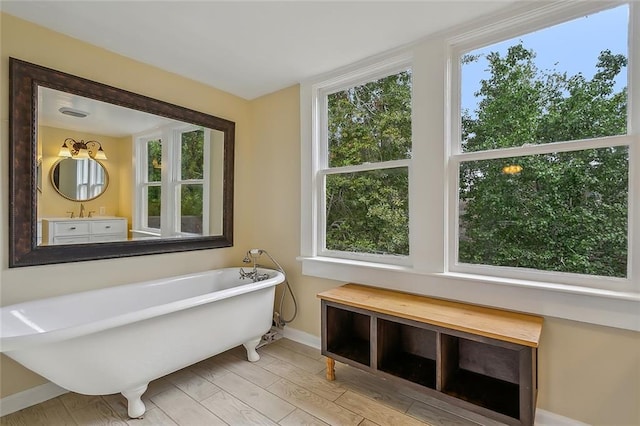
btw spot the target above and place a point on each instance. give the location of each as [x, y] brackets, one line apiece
[286, 387]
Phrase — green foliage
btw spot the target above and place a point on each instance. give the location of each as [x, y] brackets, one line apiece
[154, 161]
[368, 211]
[564, 211]
[192, 155]
[192, 168]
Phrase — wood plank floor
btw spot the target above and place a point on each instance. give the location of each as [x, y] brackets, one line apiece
[285, 387]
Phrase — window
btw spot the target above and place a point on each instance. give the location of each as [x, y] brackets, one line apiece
[364, 174]
[542, 152]
[519, 188]
[172, 182]
[90, 178]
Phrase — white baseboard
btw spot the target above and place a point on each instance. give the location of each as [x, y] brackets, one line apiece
[18, 401]
[301, 337]
[543, 417]
[547, 418]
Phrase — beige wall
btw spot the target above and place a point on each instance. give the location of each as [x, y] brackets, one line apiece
[589, 373]
[35, 44]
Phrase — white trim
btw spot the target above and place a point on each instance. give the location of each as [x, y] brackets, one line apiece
[547, 148]
[170, 182]
[547, 418]
[519, 21]
[27, 398]
[525, 23]
[366, 167]
[595, 306]
[301, 337]
[314, 93]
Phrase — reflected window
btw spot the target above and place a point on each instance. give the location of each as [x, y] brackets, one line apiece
[172, 182]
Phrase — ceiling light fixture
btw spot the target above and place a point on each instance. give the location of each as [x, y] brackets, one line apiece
[81, 150]
[73, 112]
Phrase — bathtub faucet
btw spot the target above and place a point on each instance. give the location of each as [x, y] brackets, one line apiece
[252, 257]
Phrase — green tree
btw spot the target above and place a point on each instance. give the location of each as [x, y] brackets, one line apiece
[154, 161]
[192, 168]
[563, 211]
[368, 211]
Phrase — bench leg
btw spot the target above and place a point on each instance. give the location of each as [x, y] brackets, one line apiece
[331, 369]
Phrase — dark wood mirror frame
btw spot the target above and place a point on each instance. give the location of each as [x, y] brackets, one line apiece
[24, 80]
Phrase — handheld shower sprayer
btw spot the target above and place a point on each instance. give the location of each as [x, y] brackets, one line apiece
[252, 256]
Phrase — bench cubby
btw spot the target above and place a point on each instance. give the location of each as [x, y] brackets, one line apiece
[482, 359]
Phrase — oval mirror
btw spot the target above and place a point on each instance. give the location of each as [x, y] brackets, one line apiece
[79, 179]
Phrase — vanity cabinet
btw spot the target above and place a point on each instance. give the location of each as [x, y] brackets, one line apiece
[86, 230]
[481, 359]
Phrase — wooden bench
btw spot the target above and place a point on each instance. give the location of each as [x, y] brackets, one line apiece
[481, 359]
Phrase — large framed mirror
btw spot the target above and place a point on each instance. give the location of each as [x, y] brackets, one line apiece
[167, 172]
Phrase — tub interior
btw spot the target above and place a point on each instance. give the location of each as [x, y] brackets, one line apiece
[71, 310]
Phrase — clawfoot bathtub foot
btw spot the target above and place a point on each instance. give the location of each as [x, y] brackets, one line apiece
[136, 407]
[250, 346]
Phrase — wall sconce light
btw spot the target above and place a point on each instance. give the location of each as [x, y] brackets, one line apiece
[79, 150]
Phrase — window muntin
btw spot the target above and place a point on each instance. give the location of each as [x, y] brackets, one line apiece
[509, 209]
[365, 176]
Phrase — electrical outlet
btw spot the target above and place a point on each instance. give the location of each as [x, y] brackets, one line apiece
[102, 211]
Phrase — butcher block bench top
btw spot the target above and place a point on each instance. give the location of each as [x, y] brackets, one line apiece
[496, 324]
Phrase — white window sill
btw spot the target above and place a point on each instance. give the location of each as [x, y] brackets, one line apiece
[591, 305]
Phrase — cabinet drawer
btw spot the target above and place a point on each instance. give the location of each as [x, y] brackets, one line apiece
[104, 238]
[70, 228]
[71, 240]
[108, 227]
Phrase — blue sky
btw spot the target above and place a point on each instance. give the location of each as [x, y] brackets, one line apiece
[572, 47]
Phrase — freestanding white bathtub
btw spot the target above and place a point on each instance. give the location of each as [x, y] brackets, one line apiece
[120, 338]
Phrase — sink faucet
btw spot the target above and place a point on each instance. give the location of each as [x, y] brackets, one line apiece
[81, 210]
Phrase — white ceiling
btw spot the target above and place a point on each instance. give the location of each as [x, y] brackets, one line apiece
[102, 118]
[249, 48]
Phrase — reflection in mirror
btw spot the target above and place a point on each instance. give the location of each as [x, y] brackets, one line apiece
[169, 171]
[81, 179]
[39, 175]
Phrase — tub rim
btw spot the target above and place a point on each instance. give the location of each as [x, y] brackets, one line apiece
[35, 338]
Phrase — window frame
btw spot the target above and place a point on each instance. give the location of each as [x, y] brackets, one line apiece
[428, 271]
[359, 77]
[170, 181]
[457, 156]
